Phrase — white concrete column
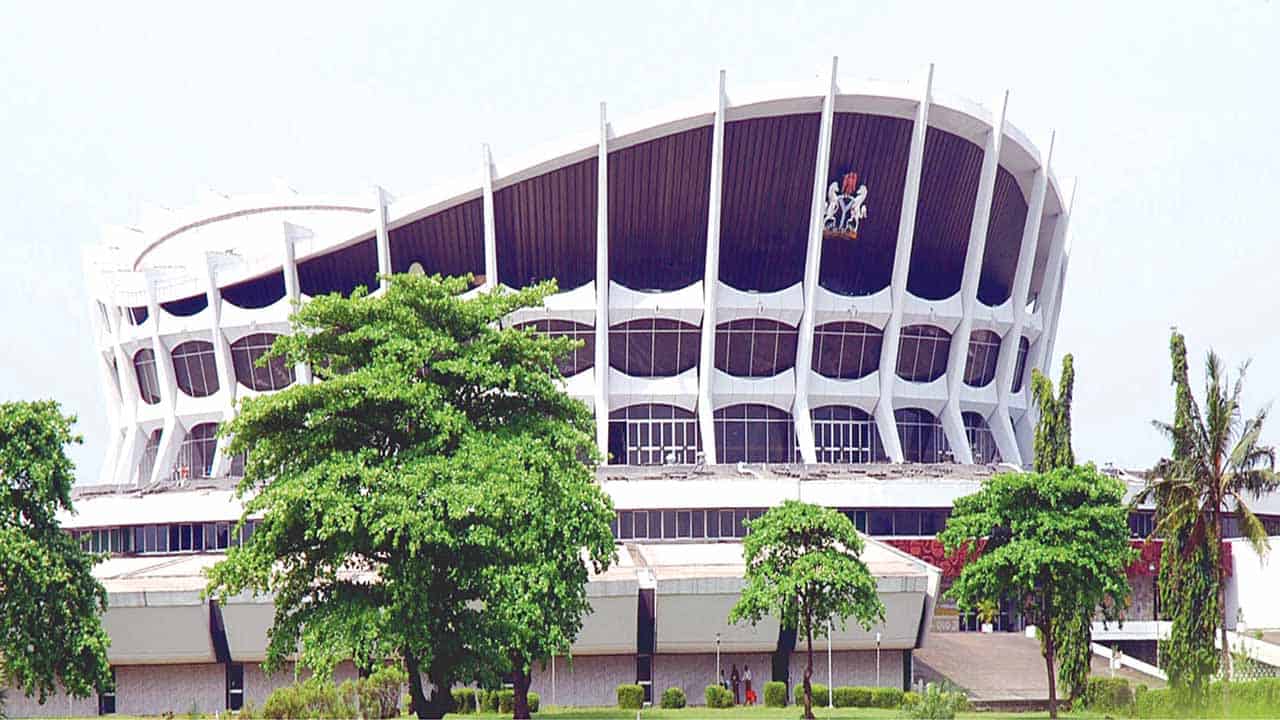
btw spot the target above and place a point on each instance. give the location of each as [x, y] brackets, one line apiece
[1051, 324]
[123, 468]
[812, 265]
[292, 288]
[1041, 355]
[952, 423]
[602, 286]
[885, 421]
[380, 200]
[172, 436]
[222, 359]
[490, 225]
[112, 383]
[711, 284]
[1001, 424]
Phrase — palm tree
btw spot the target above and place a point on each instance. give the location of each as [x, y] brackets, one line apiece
[1218, 460]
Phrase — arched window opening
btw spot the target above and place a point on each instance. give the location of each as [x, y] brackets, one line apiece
[148, 461]
[755, 347]
[846, 350]
[194, 368]
[195, 456]
[578, 360]
[144, 367]
[1020, 367]
[246, 352]
[754, 433]
[653, 347]
[187, 307]
[846, 435]
[136, 315]
[921, 435]
[653, 435]
[982, 358]
[981, 441]
[922, 353]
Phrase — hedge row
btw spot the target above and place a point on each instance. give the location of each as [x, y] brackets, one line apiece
[493, 701]
[848, 696]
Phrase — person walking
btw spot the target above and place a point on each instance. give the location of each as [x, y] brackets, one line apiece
[746, 682]
[723, 682]
[736, 679]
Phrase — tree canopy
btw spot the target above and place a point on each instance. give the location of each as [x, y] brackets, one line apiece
[50, 603]
[1054, 542]
[1218, 464]
[804, 567]
[398, 491]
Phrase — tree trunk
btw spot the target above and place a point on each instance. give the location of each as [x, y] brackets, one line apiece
[520, 688]
[440, 701]
[1049, 651]
[1221, 575]
[808, 668]
[416, 696]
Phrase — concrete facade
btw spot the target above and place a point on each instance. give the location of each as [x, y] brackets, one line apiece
[59, 705]
[583, 680]
[694, 672]
[849, 667]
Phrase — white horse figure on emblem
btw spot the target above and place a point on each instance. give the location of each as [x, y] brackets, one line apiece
[846, 209]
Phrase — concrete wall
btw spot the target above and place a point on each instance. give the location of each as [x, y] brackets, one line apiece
[588, 680]
[849, 667]
[157, 689]
[694, 672]
[1254, 586]
[59, 705]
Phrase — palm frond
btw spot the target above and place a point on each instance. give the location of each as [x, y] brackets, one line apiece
[1251, 526]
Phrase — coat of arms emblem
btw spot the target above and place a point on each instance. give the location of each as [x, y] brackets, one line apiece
[845, 208]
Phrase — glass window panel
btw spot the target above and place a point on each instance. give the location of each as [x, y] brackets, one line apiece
[628, 521]
[880, 522]
[669, 523]
[195, 369]
[683, 520]
[698, 520]
[642, 524]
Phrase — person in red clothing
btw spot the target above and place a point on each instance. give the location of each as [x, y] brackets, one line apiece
[746, 681]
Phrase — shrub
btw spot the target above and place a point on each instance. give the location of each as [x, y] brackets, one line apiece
[535, 702]
[313, 698]
[630, 697]
[673, 699]
[910, 698]
[506, 701]
[936, 703]
[380, 692]
[464, 700]
[852, 696]
[719, 696]
[819, 694]
[886, 697]
[1107, 695]
[775, 694]
[488, 701]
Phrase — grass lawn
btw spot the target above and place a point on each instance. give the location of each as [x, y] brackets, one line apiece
[763, 713]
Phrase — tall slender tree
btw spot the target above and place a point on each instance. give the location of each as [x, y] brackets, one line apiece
[51, 631]
[1053, 451]
[1219, 463]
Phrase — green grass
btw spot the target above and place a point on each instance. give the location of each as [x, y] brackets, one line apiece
[762, 713]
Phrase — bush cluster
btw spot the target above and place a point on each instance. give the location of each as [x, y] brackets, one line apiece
[718, 696]
[1108, 695]
[673, 698]
[935, 703]
[491, 701]
[819, 694]
[775, 694]
[1249, 699]
[630, 697]
[375, 696]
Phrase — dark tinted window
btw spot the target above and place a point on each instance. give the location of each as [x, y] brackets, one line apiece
[846, 350]
[195, 369]
[755, 347]
[754, 433]
[654, 347]
[245, 354]
[980, 362]
[922, 353]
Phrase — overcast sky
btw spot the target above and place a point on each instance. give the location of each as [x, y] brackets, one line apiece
[1165, 111]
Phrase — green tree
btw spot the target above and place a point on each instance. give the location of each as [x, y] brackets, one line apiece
[1057, 541]
[389, 487]
[1218, 459]
[1053, 451]
[804, 567]
[1188, 572]
[536, 598]
[50, 603]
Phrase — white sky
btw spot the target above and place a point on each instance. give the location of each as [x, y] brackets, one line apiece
[1166, 112]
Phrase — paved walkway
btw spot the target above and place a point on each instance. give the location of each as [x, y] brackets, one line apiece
[999, 667]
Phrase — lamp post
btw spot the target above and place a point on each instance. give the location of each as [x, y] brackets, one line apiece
[717, 678]
[877, 658]
[830, 680]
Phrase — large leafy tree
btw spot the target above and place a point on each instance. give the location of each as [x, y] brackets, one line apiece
[1218, 463]
[535, 600]
[804, 567]
[50, 604]
[1056, 541]
[1053, 450]
[389, 489]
